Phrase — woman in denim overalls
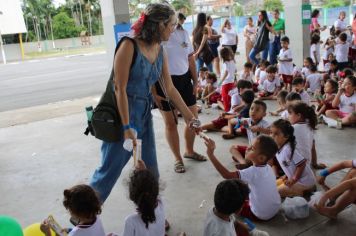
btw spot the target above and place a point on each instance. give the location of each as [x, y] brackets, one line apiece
[133, 94]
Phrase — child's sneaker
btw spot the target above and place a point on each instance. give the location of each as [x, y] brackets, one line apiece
[256, 232]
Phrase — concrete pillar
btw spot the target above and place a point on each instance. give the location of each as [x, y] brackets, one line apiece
[298, 33]
[113, 12]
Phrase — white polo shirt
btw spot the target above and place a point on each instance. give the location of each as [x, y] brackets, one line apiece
[290, 163]
[271, 86]
[265, 200]
[95, 229]
[342, 52]
[340, 24]
[314, 81]
[178, 48]
[348, 104]
[214, 226]
[304, 137]
[251, 135]
[305, 97]
[315, 48]
[285, 67]
[230, 68]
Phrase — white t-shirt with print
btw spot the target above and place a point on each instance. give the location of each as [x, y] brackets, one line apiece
[230, 68]
[95, 229]
[347, 104]
[264, 198]
[315, 48]
[314, 81]
[305, 97]
[134, 226]
[271, 86]
[289, 165]
[229, 37]
[214, 226]
[251, 135]
[285, 67]
[342, 52]
[304, 137]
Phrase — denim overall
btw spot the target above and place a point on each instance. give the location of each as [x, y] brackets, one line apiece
[142, 76]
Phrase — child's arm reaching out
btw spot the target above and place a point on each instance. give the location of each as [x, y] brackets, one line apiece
[338, 166]
[225, 173]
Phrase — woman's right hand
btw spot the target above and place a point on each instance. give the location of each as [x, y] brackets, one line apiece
[130, 134]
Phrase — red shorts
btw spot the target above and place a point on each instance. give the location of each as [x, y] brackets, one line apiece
[325, 61]
[225, 95]
[255, 87]
[342, 114]
[265, 94]
[243, 131]
[247, 213]
[352, 54]
[220, 122]
[287, 79]
[241, 150]
[214, 98]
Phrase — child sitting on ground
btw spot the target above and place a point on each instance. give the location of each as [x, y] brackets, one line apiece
[144, 192]
[227, 76]
[340, 196]
[304, 121]
[306, 66]
[264, 200]
[281, 99]
[291, 97]
[327, 65]
[285, 60]
[84, 206]
[229, 197]
[299, 177]
[329, 50]
[334, 70]
[237, 104]
[210, 94]
[261, 74]
[203, 73]
[298, 87]
[325, 101]
[314, 81]
[247, 74]
[271, 85]
[345, 99]
[253, 126]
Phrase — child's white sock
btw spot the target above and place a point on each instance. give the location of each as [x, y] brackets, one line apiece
[330, 122]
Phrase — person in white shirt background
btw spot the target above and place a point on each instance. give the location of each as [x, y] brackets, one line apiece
[250, 34]
[315, 49]
[298, 87]
[342, 48]
[340, 24]
[285, 59]
[229, 36]
[314, 81]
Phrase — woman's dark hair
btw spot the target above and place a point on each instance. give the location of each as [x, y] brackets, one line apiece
[82, 201]
[143, 190]
[155, 14]
[307, 113]
[315, 38]
[288, 131]
[315, 13]
[199, 28]
[293, 96]
[230, 196]
[267, 146]
[265, 18]
[334, 84]
[226, 54]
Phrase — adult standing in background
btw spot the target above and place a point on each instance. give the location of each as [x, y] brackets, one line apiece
[214, 43]
[315, 26]
[133, 94]
[340, 24]
[250, 37]
[182, 68]
[203, 54]
[275, 44]
[229, 36]
[262, 39]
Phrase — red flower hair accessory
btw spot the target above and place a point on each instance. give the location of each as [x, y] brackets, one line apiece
[342, 74]
[137, 26]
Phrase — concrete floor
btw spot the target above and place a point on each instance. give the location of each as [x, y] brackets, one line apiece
[41, 158]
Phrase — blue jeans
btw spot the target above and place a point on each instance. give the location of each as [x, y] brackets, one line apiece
[200, 63]
[274, 48]
[253, 54]
[115, 157]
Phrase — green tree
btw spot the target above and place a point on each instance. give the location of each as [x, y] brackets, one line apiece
[237, 9]
[334, 3]
[184, 6]
[64, 26]
[270, 5]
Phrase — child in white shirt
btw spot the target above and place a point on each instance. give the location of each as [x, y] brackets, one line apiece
[281, 99]
[345, 99]
[342, 51]
[227, 76]
[203, 72]
[298, 87]
[285, 60]
[315, 49]
[84, 206]
[261, 74]
[271, 85]
[298, 177]
[306, 65]
[329, 49]
[149, 220]
[264, 200]
[314, 81]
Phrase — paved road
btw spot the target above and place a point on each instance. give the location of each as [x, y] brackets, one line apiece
[44, 81]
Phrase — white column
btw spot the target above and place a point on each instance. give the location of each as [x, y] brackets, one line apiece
[298, 33]
[113, 12]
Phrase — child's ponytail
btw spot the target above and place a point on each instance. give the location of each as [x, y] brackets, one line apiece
[288, 131]
[307, 113]
[144, 189]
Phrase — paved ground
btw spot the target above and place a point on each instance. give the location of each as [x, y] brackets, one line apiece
[40, 159]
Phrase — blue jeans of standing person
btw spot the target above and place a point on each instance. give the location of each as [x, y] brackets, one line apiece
[200, 63]
[274, 48]
[254, 52]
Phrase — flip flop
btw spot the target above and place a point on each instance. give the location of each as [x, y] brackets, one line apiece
[179, 167]
[195, 157]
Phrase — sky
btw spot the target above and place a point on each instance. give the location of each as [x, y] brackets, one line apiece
[57, 3]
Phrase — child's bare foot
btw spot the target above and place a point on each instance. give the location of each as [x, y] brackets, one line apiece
[319, 166]
[326, 211]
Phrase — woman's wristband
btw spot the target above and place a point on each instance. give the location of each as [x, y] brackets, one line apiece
[324, 173]
[126, 127]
